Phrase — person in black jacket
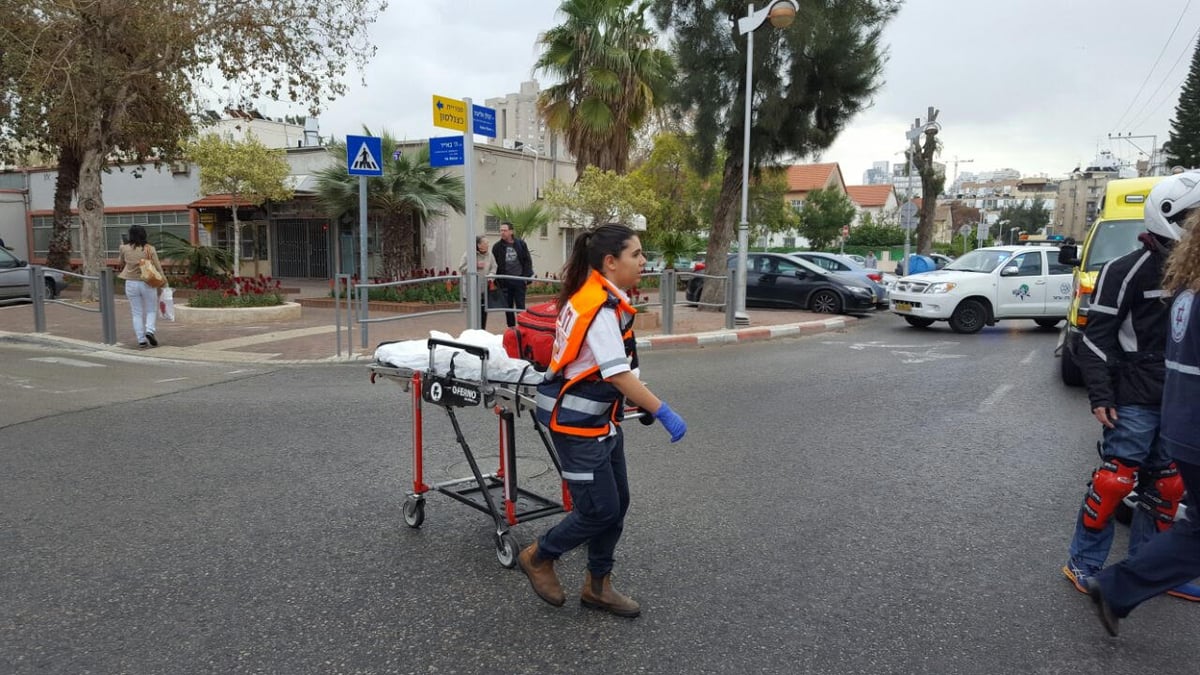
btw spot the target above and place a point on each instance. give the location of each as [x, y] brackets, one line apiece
[1174, 556]
[512, 258]
[1123, 366]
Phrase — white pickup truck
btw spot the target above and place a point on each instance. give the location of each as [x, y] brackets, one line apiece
[985, 286]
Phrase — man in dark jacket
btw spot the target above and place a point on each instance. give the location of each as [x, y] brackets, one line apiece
[512, 258]
[1123, 366]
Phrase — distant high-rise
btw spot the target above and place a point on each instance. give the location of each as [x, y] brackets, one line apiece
[519, 124]
[880, 173]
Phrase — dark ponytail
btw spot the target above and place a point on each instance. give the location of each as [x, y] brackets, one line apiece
[588, 254]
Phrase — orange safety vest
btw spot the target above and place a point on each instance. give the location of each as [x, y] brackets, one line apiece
[585, 405]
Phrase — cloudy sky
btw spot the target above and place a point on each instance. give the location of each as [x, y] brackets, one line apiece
[1028, 84]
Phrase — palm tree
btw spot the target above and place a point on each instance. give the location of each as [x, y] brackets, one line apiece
[404, 198]
[611, 76]
[525, 220]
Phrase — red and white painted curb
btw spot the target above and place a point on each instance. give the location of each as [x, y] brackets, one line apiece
[720, 337]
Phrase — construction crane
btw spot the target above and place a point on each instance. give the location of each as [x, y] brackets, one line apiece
[958, 161]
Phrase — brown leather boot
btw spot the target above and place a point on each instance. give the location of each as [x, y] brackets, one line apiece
[598, 593]
[541, 576]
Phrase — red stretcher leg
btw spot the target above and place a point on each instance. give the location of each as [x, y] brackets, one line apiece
[418, 438]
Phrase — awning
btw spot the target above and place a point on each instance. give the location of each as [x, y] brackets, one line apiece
[304, 184]
[219, 201]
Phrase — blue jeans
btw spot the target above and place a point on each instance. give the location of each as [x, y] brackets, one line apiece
[600, 503]
[1170, 559]
[1134, 441]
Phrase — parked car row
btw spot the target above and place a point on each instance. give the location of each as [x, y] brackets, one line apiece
[14, 278]
[781, 280]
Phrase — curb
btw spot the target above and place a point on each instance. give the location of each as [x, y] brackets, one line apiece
[721, 337]
[200, 354]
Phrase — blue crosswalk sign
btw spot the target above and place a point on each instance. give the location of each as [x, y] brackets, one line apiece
[364, 155]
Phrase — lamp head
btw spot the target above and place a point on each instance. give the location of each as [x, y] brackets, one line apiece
[782, 14]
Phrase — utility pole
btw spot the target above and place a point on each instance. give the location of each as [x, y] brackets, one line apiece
[1153, 147]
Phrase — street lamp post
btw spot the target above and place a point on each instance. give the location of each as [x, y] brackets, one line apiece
[780, 13]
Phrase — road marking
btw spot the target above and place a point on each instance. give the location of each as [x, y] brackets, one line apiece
[1029, 359]
[172, 379]
[68, 362]
[995, 396]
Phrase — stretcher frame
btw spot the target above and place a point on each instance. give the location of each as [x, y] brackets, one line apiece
[497, 494]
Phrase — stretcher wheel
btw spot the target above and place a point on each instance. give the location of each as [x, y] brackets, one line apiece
[507, 549]
[414, 512]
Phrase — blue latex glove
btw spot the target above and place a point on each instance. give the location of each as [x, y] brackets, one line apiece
[671, 421]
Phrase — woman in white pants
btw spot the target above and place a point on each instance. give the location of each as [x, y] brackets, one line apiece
[143, 298]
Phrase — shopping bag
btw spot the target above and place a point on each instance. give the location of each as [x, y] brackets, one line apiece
[166, 304]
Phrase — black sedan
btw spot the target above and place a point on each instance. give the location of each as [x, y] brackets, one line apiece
[779, 280]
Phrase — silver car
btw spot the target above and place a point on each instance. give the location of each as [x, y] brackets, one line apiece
[14, 278]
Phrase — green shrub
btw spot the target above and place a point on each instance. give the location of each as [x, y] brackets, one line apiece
[214, 299]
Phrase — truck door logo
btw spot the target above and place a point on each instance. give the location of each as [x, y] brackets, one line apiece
[1022, 291]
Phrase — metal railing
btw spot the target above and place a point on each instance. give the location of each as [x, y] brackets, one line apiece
[668, 288]
[107, 308]
[348, 299]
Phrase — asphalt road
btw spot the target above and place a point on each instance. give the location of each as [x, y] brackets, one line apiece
[883, 500]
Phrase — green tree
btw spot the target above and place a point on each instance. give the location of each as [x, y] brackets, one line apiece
[673, 245]
[599, 197]
[809, 81]
[610, 75]
[679, 192]
[405, 197]
[870, 233]
[99, 80]
[1031, 218]
[1183, 140]
[525, 220]
[769, 211]
[824, 214]
[245, 170]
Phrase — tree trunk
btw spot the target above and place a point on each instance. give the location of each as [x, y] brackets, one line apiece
[91, 213]
[722, 232]
[59, 256]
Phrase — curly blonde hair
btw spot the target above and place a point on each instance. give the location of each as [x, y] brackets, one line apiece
[1183, 267]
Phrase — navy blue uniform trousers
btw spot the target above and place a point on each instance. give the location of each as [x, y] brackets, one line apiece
[1166, 561]
[598, 516]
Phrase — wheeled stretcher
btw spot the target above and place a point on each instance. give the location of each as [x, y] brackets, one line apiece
[464, 384]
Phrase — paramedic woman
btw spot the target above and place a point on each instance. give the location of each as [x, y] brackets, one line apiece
[593, 371]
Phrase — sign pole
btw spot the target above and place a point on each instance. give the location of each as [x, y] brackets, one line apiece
[362, 253]
[472, 279]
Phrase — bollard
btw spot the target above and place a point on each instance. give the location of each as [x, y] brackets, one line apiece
[108, 307]
[363, 314]
[730, 305]
[37, 293]
[666, 296]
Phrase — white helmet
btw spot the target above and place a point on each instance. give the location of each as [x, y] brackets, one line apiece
[1169, 201]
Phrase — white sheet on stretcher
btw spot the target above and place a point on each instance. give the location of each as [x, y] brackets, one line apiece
[501, 367]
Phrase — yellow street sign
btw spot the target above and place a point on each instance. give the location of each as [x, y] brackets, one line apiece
[449, 113]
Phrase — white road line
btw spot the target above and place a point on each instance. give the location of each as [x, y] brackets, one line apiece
[995, 396]
[68, 362]
[1029, 359]
[172, 379]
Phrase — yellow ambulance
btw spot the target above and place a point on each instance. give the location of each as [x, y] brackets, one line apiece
[1114, 234]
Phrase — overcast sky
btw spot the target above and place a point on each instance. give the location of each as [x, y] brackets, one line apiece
[1032, 85]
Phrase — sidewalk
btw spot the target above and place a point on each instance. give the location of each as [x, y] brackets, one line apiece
[313, 337]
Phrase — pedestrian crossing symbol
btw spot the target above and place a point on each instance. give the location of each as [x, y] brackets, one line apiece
[364, 155]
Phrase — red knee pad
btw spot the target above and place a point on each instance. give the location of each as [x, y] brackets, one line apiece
[1111, 483]
[1168, 488]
